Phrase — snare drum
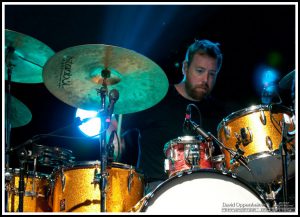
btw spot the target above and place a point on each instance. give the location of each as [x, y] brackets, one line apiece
[76, 189]
[256, 133]
[185, 153]
[35, 196]
[203, 192]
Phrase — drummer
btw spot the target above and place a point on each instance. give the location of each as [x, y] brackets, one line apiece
[164, 121]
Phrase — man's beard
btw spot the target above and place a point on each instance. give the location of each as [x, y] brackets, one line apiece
[197, 92]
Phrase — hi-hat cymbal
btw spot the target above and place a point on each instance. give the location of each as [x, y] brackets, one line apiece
[20, 115]
[27, 55]
[74, 74]
[287, 81]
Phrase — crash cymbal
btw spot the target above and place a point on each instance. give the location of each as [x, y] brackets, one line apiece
[74, 74]
[27, 55]
[287, 81]
[20, 115]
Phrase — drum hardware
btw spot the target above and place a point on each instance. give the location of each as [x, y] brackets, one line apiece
[10, 51]
[105, 121]
[263, 117]
[22, 154]
[130, 179]
[283, 149]
[237, 155]
[271, 194]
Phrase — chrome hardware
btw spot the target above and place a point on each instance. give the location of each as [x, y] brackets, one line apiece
[130, 179]
[191, 154]
[269, 143]
[226, 130]
[246, 136]
[63, 179]
[263, 117]
[167, 165]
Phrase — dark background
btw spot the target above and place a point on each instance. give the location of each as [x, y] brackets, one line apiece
[250, 35]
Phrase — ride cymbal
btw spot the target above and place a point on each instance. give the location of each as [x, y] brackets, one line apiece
[73, 75]
[26, 55]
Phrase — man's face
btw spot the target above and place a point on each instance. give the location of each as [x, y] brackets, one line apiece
[200, 76]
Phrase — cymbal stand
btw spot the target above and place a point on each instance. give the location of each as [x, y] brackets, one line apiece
[102, 139]
[10, 66]
[22, 158]
[283, 151]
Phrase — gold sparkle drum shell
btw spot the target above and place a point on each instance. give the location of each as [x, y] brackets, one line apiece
[36, 188]
[256, 132]
[75, 188]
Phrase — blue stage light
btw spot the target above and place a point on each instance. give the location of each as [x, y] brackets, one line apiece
[91, 127]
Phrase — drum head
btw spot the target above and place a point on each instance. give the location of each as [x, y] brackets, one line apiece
[204, 192]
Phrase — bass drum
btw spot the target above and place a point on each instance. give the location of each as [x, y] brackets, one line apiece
[204, 191]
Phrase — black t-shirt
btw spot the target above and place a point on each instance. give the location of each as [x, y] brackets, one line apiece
[163, 123]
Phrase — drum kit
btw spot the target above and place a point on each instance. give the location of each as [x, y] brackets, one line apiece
[257, 143]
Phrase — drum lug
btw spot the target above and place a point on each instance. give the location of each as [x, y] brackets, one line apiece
[97, 176]
[130, 179]
[263, 117]
[63, 180]
[269, 143]
[246, 136]
[167, 165]
[226, 130]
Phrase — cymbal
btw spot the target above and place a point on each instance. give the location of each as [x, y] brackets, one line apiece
[74, 74]
[20, 115]
[287, 81]
[28, 58]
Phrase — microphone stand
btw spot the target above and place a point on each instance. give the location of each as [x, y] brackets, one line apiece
[208, 136]
[102, 139]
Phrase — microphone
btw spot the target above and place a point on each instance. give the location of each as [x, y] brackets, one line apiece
[268, 93]
[187, 118]
[195, 127]
[113, 97]
[78, 121]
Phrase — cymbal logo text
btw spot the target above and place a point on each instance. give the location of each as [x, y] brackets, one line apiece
[66, 74]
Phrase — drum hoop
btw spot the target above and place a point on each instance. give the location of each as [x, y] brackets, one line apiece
[30, 174]
[181, 140]
[209, 171]
[249, 110]
[89, 164]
